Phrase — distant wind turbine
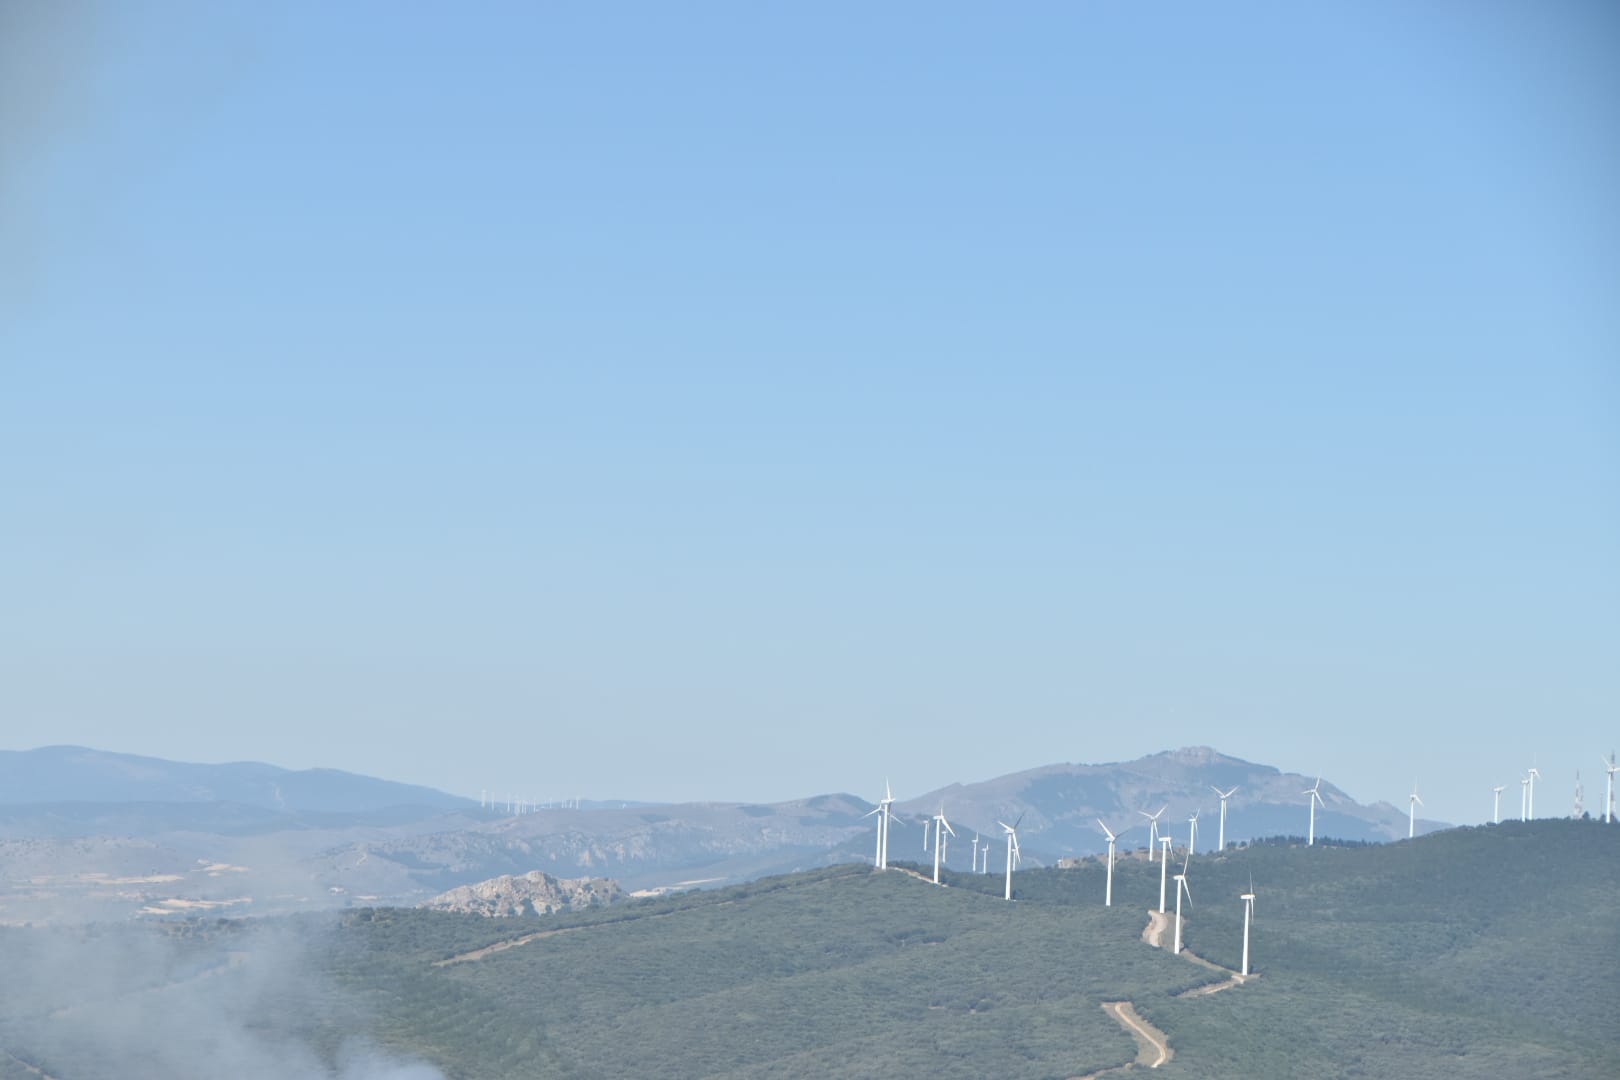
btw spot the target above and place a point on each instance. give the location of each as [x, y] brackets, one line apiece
[975, 853]
[1524, 798]
[1012, 850]
[1192, 833]
[1181, 887]
[885, 814]
[1535, 774]
[1224, 796]
[1108, 891]
[941, 828]
[1412, 803]
[1496, 805]
[1164, 871]
[1248, 916]
[1153, 828]
[1315, 793]
[1608, 800]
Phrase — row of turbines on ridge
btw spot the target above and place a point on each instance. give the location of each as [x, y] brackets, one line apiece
[884, 812]
[942, 831]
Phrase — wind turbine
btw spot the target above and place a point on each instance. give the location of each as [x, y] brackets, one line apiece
[1248, 916]
[1181, 887]
[1412, 803]
[1153, 828]
[1535, 774]
[1608, 800]
[1496, 808]
[1524, 814]
[1192, 833]
[1108, 892]
[975, 853]
[1224, 796]
[1164, 871]
[1012, 850]
[939, 838]
[884, 814]
[1315, 793]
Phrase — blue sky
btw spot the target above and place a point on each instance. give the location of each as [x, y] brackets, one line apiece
[731, 401]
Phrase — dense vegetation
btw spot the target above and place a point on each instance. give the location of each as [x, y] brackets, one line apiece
[1473, 952]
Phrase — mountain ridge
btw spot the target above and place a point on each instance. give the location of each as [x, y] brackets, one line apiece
[286, 859]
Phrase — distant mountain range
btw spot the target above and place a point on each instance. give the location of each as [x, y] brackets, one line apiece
[75, 774]
[90, 834]
[1060, 804]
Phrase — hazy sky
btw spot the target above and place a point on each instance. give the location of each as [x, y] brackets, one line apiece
[706, 401]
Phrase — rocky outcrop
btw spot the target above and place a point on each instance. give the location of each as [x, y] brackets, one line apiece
[534, 893]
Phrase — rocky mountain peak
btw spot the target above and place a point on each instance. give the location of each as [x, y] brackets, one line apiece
[534, 893]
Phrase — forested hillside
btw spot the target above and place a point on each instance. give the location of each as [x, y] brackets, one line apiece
[1469, 953]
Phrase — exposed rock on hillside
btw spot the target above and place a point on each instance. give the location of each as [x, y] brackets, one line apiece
[534, 893]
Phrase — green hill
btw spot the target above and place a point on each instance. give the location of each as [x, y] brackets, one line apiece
[1473, 952]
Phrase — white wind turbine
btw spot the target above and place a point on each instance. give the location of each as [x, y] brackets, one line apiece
[1192, 833]
[1164, 871]
[1535, 774]
[1012, 850]
[1315, 793]
[1412, 803]
[1608, 799]
[1108, 892]
[939, 838]
[1224, 796]
[1153, 828]
[885, 813]
[1181, 887]
[1248, 916]
[1496, 806]
[1524, 786]
[975, 853]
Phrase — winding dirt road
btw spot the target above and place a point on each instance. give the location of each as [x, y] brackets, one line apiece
[1152, 1045]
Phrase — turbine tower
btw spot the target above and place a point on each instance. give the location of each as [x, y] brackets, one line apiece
[1496, 807]
[1108, 892]
[1608, 800]
[1153, 828]
[1181, 887]
[1315, 793]
[1192, 833]
[1535, 774]
[1412, 803]
[1248, 917]
[1164, 871]
[939, 838]
[1224, 796]
[975, 853]
[1012, 850]
[1524, 786]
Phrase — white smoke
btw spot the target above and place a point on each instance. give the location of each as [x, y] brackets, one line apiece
[114, 1002]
